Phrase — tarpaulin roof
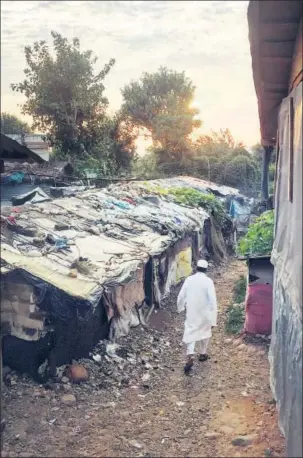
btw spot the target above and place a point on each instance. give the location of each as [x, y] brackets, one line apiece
[113, 230]
[199, 184]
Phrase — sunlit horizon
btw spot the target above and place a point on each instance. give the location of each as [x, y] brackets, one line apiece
[206, 40]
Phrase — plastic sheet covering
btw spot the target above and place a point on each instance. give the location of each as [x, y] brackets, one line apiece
[199, 184]
[285, 358]
[45, 273]
[287, 249]
[35, 196]
[184, 267]
[258, 309]
[78, 323]
[121, 326]
[240, 212]
[49, 298]
[121, 232]
[286, 344]
[67, 191]
[125, 238]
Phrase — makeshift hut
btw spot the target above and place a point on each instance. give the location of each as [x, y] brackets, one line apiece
[93, 264]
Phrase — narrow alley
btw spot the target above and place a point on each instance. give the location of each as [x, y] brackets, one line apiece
[224, 408]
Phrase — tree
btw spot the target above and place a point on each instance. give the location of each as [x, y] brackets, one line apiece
[266, 158]
[241, 171]
[257, 152]
[160, 102]
[115, 144]
[64, 95]
[220, 158]
[11, 124]
[217, 144]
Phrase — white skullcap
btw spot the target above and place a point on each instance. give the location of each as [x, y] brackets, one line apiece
[202, 263]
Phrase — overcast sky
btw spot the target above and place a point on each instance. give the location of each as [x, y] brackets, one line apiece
[206, 39]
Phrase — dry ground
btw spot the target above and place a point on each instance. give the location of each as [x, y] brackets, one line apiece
[171, 414]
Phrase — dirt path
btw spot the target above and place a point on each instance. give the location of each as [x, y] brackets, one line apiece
[162, 414]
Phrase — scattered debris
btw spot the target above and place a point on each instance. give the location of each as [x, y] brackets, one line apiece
[77, 373]
[115, 402]
[145, 377]
[180, 404]
[212, 435]
[243, 441]
[68, 399]
[135, 444]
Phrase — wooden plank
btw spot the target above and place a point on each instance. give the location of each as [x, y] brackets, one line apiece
[291, 150]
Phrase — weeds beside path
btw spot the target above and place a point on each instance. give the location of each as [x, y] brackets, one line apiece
[199, 416]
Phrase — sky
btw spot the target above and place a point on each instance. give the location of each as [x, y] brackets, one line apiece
[206, 39]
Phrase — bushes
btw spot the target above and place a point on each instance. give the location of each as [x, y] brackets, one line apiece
[259, 238]
[236, 311]
[235, 319]
[194, 198]
[239, 291]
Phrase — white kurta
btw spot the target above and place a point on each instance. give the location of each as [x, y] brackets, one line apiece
[198, 298]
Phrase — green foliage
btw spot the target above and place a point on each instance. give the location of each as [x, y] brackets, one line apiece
[216, 157]
[160, 102]
[236, 311]
[240, 171]
[271, 172]
[11, 124]
[66, 100]
[239, 290]
[220, 158]
[259, 237]
[102, 168]
[114, 144]
[145, 166]
[257, 153]
[63, 95]
[235, 319]
[194, 198]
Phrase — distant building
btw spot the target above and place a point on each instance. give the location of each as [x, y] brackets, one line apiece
[275, 33]
[34, 142]
[14, 150]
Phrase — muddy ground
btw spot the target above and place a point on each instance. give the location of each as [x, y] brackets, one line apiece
[141, 404]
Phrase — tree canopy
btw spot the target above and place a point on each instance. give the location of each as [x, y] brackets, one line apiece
[161, 103]
[63, 94]
[11, 124]
[216, 157]
[65, 97]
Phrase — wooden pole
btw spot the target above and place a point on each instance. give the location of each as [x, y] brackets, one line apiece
[265, 163]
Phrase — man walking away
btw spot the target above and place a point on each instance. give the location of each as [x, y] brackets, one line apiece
[198, 298]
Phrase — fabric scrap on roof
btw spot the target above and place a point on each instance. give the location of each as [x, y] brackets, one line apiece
[116, 230]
